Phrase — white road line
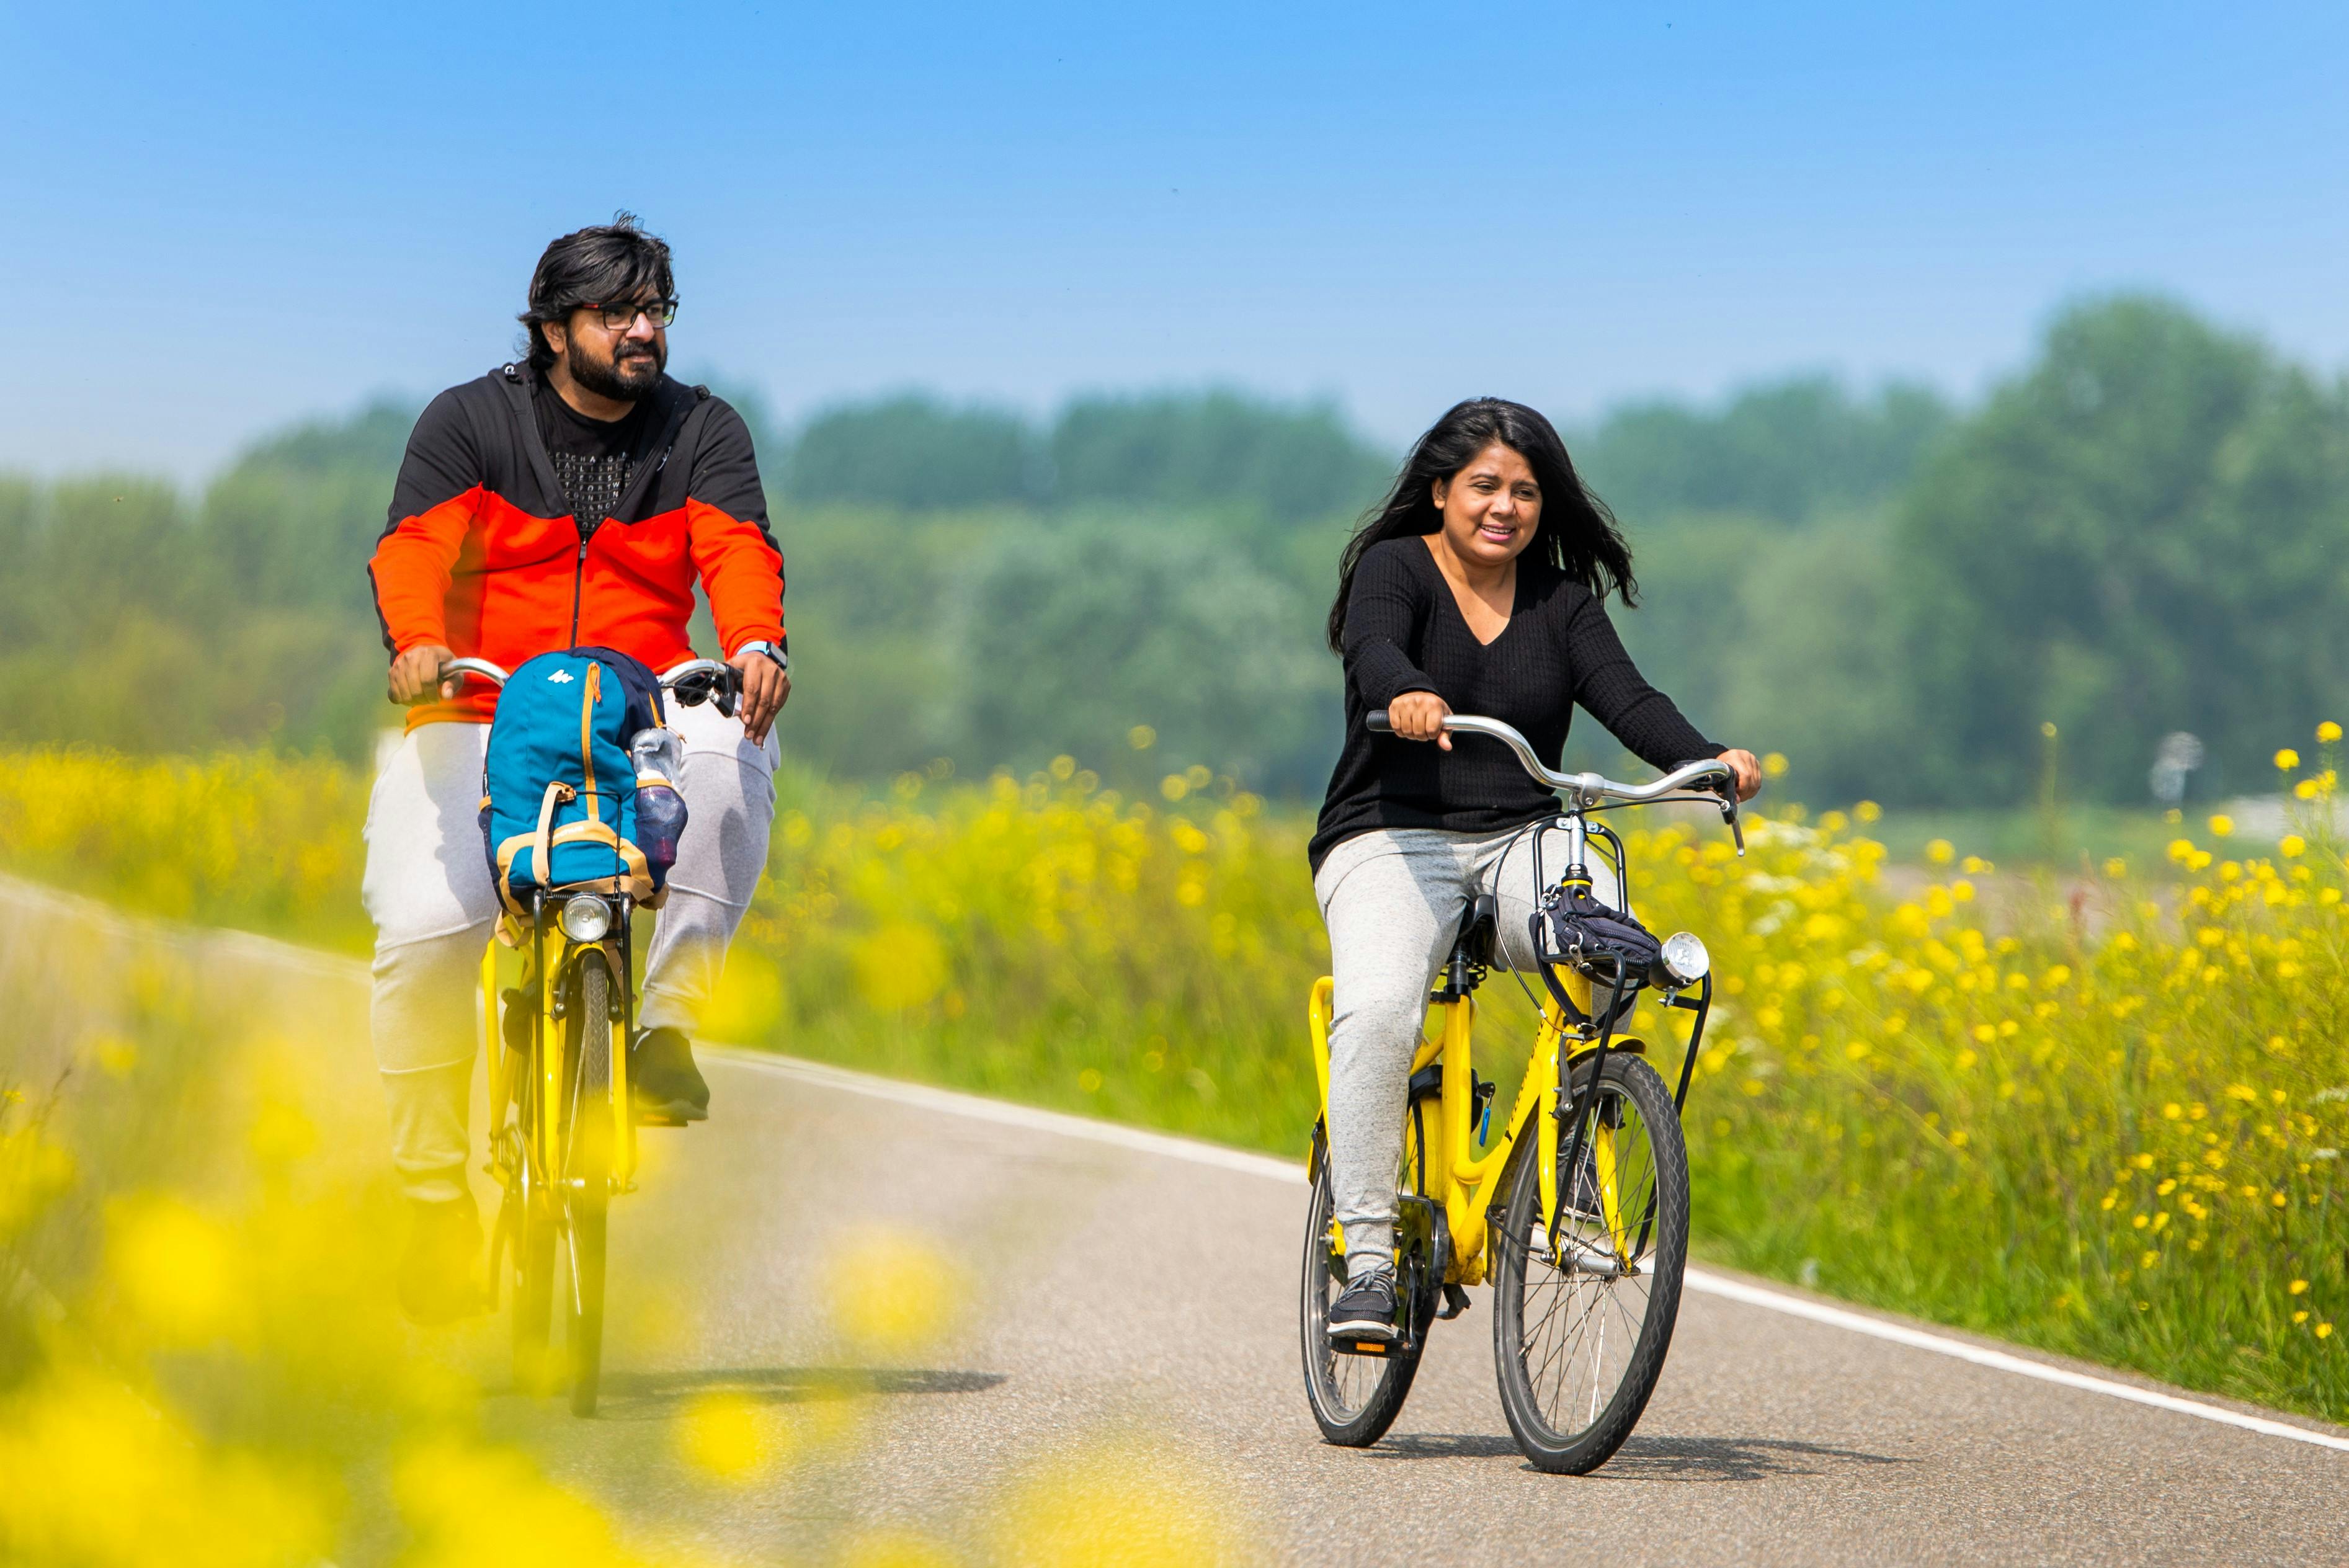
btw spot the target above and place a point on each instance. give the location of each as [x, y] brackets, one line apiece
[1004, 1113]
[955, 1103]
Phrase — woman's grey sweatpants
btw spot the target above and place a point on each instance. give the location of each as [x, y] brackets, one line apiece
[427, 890]
[1393, 899]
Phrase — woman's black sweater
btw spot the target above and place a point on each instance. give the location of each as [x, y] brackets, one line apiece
[1404, 633]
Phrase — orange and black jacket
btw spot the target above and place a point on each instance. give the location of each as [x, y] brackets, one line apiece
[483, 555]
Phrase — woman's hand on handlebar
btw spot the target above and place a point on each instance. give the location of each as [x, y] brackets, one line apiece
[1748, 770]
[765, 689]
[1420, 716]
[416, 673]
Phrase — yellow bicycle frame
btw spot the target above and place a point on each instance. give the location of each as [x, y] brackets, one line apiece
[1461, 1180]
[543, 1143]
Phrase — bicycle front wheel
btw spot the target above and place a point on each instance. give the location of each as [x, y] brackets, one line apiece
[587, 1192]
[1583, 1318]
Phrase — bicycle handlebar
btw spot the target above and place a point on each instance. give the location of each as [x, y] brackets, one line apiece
[481, 668]
[702, 680]
[1588, 790]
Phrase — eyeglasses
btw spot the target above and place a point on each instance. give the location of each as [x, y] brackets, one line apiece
[620, 317]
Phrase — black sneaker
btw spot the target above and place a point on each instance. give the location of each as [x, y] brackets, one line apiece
[1367, 1309]
[436, 1273]
[662, 1079]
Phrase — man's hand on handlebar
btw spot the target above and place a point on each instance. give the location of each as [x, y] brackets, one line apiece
[415, 675]
[1748, 770]
[1420, 716]
[765, 689]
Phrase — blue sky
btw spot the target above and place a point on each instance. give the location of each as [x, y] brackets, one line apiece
[222, 219]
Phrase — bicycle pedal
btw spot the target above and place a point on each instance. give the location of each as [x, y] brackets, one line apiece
[1455, 1302]
[1363, 1348]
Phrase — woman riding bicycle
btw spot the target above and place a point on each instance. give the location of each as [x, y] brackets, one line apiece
[1441, 607]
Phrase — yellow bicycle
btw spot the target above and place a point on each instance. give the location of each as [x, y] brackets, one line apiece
[1577, 1209]
[563, 1137]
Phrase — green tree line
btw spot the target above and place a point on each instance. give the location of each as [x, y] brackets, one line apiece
[2136, 532]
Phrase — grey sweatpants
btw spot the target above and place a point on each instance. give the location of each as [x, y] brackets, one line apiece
[1393, 899]
[427, 890]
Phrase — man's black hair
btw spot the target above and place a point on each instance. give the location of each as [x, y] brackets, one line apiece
[606, 265]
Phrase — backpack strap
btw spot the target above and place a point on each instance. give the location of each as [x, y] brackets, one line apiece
[541, 843]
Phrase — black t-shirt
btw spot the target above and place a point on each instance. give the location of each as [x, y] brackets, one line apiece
[595, 459]
[1404, 633]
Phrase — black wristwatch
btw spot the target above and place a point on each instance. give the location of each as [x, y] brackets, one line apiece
[773, 650]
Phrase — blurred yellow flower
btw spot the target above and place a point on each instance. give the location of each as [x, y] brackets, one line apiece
[2291, 845]
[1141, 738]
[1106, 1505]
[178, 1268]
[2328, 732]
[1940, 851]
[892, 1291]
[1173, 786]
[2287, 760]
[95, 1475]
[1774, 765]
[730, 1437]
[2222, 825]
[2115, 867]
[1868, 811]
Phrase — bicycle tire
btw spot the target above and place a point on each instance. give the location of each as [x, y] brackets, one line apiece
[588, 1193]
[1530, 1356]
[1354, 1398]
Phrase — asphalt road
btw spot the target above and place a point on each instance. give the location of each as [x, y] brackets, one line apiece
[1141, 1299]
[1121, 1316]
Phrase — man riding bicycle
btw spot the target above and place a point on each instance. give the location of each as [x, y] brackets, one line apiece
[570, 500]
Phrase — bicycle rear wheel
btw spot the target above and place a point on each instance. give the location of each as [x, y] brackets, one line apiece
[1580, 1330]
[1355, 1398]
[588, 1193]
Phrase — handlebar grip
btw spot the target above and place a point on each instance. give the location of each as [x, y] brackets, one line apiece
[1378, 722]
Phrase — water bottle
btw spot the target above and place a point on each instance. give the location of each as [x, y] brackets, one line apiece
[660, 810]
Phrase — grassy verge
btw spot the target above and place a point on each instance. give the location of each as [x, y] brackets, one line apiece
[2122, 1144]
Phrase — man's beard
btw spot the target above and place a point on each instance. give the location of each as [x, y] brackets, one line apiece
[627, 375]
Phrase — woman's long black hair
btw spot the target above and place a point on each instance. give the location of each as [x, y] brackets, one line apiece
[1576, 529]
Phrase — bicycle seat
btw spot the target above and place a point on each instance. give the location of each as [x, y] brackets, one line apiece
[1478, 924]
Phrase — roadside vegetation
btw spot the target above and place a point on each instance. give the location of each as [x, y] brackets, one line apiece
[2114, 1137]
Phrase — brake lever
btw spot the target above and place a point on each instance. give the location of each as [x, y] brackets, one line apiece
[1731, 815]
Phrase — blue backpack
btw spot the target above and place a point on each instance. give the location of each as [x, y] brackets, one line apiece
[559, 786]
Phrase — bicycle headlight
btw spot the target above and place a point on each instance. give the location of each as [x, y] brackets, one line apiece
[585, 918]
[1685, 959]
